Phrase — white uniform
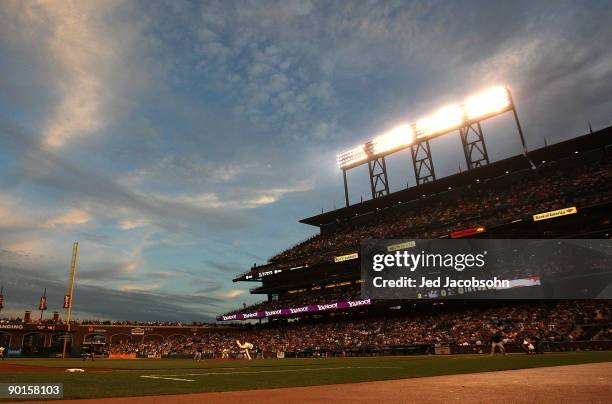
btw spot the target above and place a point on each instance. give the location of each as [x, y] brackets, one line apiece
[245, 348]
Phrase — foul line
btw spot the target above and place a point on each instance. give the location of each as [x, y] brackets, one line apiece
[171, 377]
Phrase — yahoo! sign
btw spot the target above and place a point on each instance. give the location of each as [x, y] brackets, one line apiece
[297, 310]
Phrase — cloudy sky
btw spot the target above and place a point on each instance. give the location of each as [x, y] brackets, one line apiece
[180, 142]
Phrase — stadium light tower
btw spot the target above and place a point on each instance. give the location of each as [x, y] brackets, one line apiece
[465, 117]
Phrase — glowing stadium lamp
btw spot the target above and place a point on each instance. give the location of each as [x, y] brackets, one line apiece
[353, 156]
[423, 127]
[398, 137]
[464, 117]
[447, 118]
[492, 101]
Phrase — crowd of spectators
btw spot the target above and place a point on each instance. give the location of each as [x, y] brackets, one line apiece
[143, 323]
[513, 196]
[549, 321]
[52, 321]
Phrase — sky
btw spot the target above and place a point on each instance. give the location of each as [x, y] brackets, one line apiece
[180, 142]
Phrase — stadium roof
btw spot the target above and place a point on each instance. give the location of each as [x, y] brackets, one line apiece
[581, 144]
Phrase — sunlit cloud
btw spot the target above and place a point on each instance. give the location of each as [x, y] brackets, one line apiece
[72, 217]
[233, 293]
[13, 216]
[139, 287]
[129, 224]
[252, 199]
[82, 52]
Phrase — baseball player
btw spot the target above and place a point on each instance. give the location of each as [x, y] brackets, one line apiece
[496, 342]
[245, 348]
[528, 347]
[198, 353]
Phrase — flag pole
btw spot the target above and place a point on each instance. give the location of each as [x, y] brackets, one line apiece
[42, 306]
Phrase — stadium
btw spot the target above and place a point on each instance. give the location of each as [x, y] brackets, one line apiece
[179, 142]
[313, 325]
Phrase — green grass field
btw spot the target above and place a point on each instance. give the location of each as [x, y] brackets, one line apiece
[156, 377]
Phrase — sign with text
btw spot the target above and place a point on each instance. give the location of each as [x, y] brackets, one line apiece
[346, 257]
[313, 308]
[468, 232]
[555, 213]
[487, 269]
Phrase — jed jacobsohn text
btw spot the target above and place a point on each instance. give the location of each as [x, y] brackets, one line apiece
[446, 282]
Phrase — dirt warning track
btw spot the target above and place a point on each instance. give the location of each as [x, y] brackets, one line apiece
[589, 383]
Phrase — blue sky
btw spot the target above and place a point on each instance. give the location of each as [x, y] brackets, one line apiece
[180, 142]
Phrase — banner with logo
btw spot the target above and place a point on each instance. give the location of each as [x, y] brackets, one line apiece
[555, 213]
[346, 257]
[298, 310]
[66, 301]
[137, 331]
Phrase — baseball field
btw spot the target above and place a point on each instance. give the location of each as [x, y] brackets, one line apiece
[151, 377]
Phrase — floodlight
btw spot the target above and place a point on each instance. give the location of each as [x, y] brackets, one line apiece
[443, 120]
[423, 127]
[353, 156]
[492, 101]
[447, 118]
[464, 117]
[484, 105]
[398, 137]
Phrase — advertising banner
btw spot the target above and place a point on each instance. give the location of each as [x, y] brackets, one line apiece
[298, 310]
[555, 213]
[346, 257]
[468, 232]
[66, 301]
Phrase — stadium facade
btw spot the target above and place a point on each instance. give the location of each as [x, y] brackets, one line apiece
[559, 191]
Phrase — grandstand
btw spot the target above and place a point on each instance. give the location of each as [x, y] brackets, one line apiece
[318, 280]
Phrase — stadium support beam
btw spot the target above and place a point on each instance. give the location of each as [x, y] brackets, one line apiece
[379, 181]
[518, 123]
[422, 162]
[346, 197]
[474, 147]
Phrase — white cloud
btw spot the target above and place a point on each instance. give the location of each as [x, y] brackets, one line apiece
[245, 199]
[13, 216]
[129, 224]
[27, 248]
[162, 274]
[88, 59]
[72, 217]
[184, 170]
[81, 51]
[233, 293]
[139, 287]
